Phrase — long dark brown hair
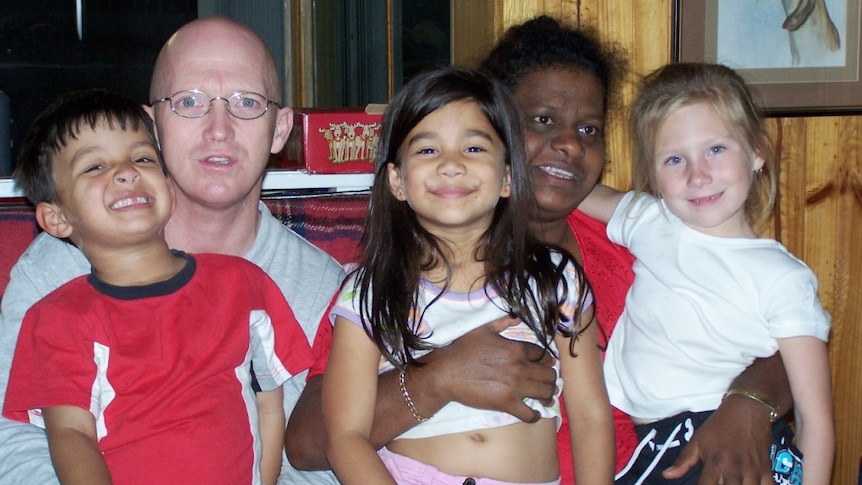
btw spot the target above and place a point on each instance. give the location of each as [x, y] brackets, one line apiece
[396, 249]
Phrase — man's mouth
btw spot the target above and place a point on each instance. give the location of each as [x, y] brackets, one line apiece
[218, 160]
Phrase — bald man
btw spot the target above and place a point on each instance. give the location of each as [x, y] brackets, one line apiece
[216, 163]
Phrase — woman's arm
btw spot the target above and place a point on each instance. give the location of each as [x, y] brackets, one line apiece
[601, 202]
[481, 369]
[349, 391]
[271, 412]
[591, 422]
[807, 363]
[74, 448]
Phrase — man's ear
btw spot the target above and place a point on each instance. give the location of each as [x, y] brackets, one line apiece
[151, 112]
[283, 124]
[50, 218]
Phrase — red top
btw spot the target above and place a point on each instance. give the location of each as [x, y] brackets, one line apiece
[609, 270]
[164, 368]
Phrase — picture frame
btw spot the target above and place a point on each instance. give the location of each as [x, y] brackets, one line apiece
[797, 72]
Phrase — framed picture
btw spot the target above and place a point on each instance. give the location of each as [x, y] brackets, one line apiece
[800, 61]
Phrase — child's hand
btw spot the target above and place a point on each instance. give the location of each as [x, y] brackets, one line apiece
[271, 433]
[74, 447]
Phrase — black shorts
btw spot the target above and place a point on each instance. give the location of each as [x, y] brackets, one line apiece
[662, 442]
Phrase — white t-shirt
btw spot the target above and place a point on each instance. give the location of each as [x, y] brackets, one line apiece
[451, 316]
[701, 309]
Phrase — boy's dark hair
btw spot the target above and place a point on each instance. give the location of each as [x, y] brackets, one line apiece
[545, 43]
[62, 121]
[396, 249]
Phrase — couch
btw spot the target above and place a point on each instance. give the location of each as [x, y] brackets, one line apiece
[333, 222]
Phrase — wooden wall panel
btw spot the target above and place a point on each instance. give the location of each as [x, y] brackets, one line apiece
[820, 224]
[832, 246]
[515, 11]
[476, 24]
[634, 27]
[819, 211]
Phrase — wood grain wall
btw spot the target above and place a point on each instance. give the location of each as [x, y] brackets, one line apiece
[819, 210]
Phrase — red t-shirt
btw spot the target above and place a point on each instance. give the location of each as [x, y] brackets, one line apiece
[609, 270]
[164, 368]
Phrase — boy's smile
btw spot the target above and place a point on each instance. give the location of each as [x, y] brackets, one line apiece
[130, 202]
[111, 188]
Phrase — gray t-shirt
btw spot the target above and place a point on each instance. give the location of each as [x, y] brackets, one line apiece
[307, 276]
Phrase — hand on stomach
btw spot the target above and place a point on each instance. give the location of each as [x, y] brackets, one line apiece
[519, 452]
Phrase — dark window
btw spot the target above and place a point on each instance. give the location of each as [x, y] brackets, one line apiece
[44, 53]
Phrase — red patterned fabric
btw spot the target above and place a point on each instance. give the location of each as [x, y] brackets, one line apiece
[609, 270]
[17, 229]
[334, 223]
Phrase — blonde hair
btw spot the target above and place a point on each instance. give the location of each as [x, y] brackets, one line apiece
[677, 85]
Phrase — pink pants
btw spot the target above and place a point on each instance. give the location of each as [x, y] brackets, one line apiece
[407, 471]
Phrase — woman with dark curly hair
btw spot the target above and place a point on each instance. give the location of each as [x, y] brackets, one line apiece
[564, 81]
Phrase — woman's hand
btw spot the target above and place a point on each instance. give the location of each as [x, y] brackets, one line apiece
[484, 370]
[733, 444]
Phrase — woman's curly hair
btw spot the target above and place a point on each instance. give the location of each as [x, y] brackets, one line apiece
[543, 42]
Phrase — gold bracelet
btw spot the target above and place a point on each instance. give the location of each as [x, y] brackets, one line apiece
[773, 408]
[402, 378]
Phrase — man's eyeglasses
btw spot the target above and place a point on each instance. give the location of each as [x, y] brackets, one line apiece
[192, 103]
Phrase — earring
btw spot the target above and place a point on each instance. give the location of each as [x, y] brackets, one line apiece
[759, 171]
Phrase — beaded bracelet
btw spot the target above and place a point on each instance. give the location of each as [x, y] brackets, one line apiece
[402, 382]
[773, 408]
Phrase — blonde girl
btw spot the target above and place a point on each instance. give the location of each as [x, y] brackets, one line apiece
[709, 295]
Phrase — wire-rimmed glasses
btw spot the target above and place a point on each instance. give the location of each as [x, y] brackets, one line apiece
[192, 103]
